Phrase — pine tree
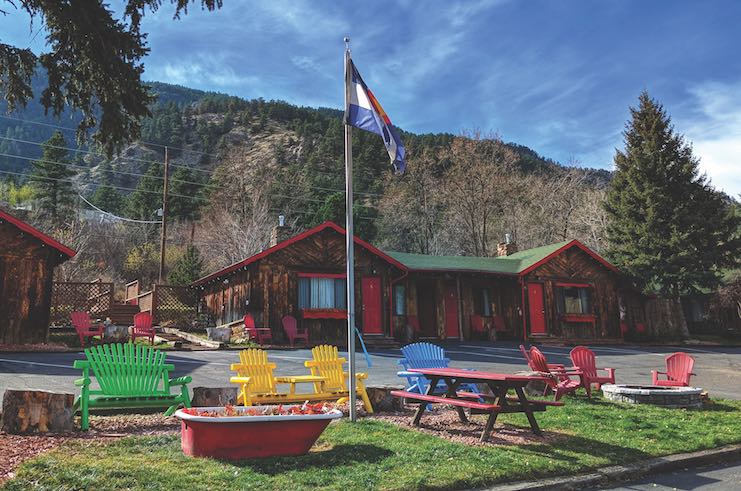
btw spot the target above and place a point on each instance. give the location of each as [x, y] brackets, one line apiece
[50, 179]
[669, 229]
[185, 195]
[147, 199]
[108, 199]
[187, 268]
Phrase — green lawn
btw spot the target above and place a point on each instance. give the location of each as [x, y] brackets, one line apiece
[377, 455]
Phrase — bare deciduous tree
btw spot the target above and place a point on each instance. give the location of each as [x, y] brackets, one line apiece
[478, 188]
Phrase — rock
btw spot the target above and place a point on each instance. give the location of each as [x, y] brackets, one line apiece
[214, 396]
[382, 400]
[29, 411]
[116, 334]
[219, 334]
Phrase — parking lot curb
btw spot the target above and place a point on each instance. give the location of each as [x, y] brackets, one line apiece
[618, 474]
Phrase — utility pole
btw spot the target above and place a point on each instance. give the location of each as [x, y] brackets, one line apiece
[164, 218]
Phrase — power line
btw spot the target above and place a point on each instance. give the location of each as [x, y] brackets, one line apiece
[100, 184]
[116, 217]
[366, 193]
[67, 164]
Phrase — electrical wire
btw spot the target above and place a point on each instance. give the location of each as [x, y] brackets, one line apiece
[210, 172]
[116, 217]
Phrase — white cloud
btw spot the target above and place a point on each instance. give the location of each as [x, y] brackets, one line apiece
[201, 72]
[715, 133]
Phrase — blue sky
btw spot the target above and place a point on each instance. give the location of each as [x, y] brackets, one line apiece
[557, 76]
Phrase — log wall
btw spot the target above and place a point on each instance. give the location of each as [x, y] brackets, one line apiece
[505, 301]
[268, 288]
[26, 275]
[575, 266]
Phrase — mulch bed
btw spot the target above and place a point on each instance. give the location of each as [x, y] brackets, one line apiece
[444, 423]
[16, 449]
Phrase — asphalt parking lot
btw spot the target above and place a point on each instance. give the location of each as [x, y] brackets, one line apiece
[718, 368]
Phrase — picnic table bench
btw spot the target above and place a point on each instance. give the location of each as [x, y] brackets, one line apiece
[129, 375]
[495, 403]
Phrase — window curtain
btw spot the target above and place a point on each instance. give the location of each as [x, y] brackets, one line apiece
[400, 300]
[486, 299]
[586, 303]
[340, 293]
[321, 293]
[304, 293]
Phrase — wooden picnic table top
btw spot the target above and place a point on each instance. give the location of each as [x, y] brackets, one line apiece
[460, 373]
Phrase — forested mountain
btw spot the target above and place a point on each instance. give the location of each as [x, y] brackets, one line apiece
[251, 160]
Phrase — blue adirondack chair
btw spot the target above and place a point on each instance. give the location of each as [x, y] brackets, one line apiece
[425, 355]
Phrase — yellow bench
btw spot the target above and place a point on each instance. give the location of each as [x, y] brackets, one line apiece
[258, 384]
[327, 364]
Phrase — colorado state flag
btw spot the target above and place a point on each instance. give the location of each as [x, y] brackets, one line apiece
[363, 111]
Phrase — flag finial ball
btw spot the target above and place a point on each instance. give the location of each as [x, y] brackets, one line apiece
[346, 39]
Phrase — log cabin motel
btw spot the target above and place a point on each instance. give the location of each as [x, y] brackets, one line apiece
[562, 291]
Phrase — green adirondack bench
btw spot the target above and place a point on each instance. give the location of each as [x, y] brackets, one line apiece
[129, 375]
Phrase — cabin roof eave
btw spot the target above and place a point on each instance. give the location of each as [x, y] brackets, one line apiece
[297, 238]
[24, 227]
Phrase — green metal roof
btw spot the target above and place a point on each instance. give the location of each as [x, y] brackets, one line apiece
[512, 264]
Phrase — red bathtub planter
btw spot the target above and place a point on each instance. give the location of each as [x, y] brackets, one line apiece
[245, 437]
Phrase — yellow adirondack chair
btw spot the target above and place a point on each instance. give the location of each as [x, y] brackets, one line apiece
[328, 365]
[254, 376]
[257, 384]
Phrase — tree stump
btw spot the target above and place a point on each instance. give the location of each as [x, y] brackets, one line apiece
[536, 387]
[214, 396]
[29, 411]
[382, 400]
[116, 334]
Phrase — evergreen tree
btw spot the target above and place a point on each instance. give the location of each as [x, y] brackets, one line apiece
[187, 268]
[669, 229]
[50, 179]
[108, 199]
[185, 195]
[147, 199]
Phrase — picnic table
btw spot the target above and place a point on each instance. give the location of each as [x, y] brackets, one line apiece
[493, 404]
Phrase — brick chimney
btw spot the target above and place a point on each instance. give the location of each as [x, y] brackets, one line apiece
[507, 247]
[281, 232]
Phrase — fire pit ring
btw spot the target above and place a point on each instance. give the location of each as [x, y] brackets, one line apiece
[669, 397]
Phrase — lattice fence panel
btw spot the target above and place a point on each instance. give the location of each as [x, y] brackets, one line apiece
[67, 297]
[177, 306]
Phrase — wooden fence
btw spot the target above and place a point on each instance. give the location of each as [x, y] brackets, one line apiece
[170, 305]
[67, 297]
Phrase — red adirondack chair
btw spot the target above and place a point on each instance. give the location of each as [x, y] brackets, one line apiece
[560, 381]
[552, 366]
[477, 324]
[85, 328]
[678, 371]
[498, 322]
[290, 326]
[584, 360]
[261, 334]
[142, 327]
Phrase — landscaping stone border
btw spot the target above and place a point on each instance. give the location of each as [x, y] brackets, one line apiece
[618, 474]
[669, 397]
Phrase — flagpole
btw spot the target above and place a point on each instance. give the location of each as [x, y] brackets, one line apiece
[349, 243]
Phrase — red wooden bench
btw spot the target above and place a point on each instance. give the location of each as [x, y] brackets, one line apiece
[424, 398]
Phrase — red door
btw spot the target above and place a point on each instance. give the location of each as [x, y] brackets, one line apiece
[451, 310]
[536, 307]
[371, 291]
